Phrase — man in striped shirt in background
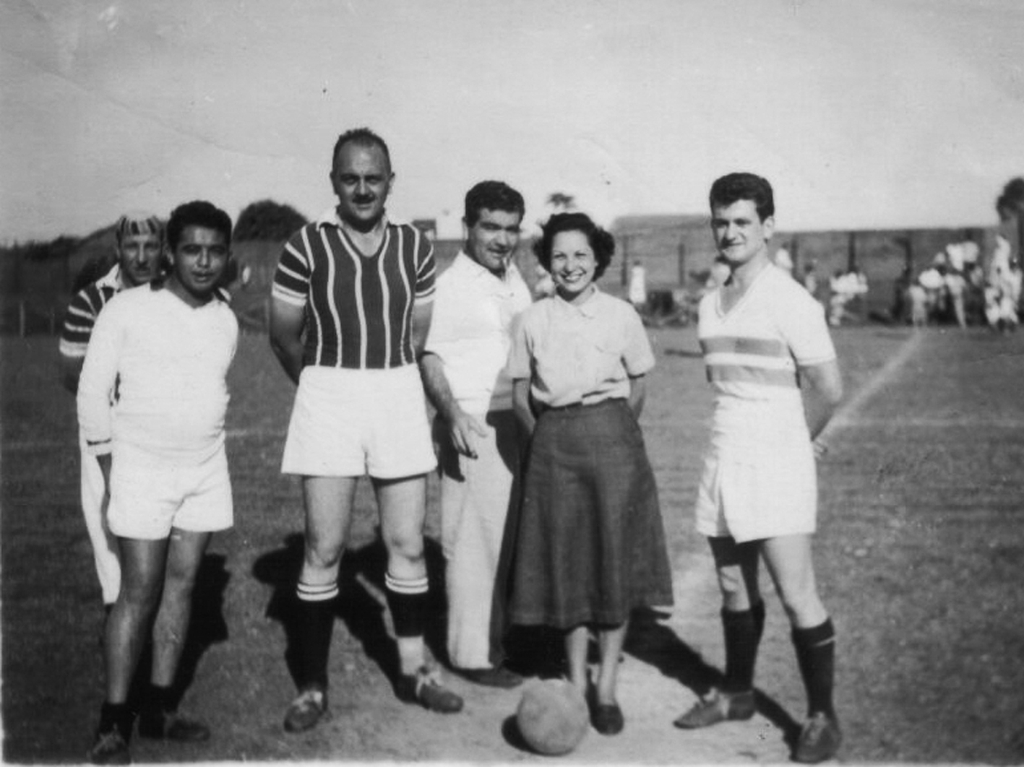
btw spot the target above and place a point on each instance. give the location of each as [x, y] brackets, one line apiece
[139, 240]
[762, 334]
[351, 309]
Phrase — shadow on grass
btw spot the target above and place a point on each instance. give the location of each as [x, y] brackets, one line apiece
[650, 641]
[207, 626]
[362, 603]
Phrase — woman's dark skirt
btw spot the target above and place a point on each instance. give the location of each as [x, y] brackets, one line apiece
[591, 543]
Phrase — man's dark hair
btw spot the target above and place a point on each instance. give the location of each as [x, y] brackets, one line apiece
[197, 213]
[363, 137]
[743, 186]
[601, 242]
[492, 195]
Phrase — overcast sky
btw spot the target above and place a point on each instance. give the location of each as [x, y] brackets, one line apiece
[863, 113]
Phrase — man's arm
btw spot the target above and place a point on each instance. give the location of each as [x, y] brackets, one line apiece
[637, 394]
[826, 391]
[70, 372]
[461, 425]
[286, 323]
[521, 405]
[422, 311]
[97, 381]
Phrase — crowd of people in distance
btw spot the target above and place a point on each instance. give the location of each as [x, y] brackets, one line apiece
[549, 508]
[957, 288]
[847, 290]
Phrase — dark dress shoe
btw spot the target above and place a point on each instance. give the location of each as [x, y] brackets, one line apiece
[607, 718]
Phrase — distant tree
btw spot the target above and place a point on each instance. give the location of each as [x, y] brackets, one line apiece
[267, 220]
[561, 202]
[44, 251]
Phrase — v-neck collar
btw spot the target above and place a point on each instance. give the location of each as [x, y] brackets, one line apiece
[720, 309]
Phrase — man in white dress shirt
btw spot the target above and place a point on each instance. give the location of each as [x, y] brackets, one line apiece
[477, 299]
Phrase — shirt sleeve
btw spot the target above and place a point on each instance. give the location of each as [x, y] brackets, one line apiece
[637, 357]
[291, 278]
[426, 269]
[99, 374]
[801, 321]
[520, 357]
[440, 334]
[78, 324]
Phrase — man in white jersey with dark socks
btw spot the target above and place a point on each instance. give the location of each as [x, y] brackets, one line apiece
[166, 348]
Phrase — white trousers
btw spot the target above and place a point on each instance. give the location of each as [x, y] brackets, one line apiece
[104, 543]
[475, 498]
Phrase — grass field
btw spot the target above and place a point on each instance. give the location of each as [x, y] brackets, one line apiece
[919, 556]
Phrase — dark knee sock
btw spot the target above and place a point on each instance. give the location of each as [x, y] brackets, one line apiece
[316, 610]
[743, 632]
[408, 601]
[116, 716]
[157, 699]
[815, 652]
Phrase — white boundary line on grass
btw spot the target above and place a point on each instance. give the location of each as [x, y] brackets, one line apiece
[845, 415]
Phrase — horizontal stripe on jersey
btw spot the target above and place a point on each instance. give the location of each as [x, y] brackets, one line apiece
[751, 374]
[81, 315]
[358, 308]
[767, 347]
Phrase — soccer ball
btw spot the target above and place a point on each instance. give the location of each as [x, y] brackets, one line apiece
[552, 716]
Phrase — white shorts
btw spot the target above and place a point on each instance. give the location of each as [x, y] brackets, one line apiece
[148, 496]
[347, 423]
[750, 498]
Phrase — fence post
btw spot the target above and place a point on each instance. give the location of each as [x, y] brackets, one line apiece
[21, 319]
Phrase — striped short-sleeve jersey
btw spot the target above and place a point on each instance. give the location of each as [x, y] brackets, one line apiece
[753, 352]
[81, 315]
[358, 308]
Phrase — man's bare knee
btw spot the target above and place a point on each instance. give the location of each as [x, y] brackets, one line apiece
[405, 546]
[733, 585]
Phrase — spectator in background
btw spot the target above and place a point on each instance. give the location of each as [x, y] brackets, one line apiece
[1000, 261]
[1011, 294]
[974, 298]
[956, 287]
[810, 279]
[933, 282]
[638, 286]
[784, 261]
[917, 298]
[900, 297]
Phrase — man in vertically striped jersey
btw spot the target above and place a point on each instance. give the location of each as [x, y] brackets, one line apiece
[139, 241]
[350, 314]
[763, 335]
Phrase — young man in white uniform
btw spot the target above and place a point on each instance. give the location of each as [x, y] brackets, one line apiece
[166, 349]
[762, 336]
[477, 299]
[139, 246]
